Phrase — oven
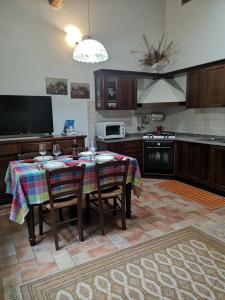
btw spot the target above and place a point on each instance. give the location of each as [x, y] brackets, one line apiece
[159, 157]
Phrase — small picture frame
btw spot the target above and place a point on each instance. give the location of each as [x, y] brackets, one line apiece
[56, 86]
[80, 90]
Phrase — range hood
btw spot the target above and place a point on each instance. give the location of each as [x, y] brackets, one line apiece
[161, 90]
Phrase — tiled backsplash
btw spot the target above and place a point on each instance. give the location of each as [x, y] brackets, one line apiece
[178, 119]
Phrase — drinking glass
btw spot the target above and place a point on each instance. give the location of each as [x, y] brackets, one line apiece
[92, 148]
[42, 149]
[56, 150]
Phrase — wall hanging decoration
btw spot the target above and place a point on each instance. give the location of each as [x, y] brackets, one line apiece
[80, 90]
[55, 3]
[90, 50]
[156, 57]
[56, 86]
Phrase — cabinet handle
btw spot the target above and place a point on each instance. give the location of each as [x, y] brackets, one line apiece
[158, 147]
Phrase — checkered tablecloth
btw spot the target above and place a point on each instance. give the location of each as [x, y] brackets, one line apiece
[34, 182]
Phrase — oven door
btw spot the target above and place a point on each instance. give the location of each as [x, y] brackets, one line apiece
[158, 159]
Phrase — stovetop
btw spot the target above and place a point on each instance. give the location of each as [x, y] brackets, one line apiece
[163, 136]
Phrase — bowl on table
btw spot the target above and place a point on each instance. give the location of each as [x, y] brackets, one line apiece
[52, 165]
[86, 154]
[43, 158]
[104, 157]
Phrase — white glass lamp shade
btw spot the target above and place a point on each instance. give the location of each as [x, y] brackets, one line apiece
[90, 51]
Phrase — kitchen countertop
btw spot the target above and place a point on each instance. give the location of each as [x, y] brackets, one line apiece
[183, 137]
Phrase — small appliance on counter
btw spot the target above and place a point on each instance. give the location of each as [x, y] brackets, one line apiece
[110, 130]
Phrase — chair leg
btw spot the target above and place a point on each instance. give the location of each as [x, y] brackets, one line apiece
[101, 215]
[114, 206]
[54, 229]
[40, 220]
[61, 215]
[80, 220]
[123, 213]
[87, 199]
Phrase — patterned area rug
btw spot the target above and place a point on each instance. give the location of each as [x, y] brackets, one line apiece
[189, 192]
[186, 264]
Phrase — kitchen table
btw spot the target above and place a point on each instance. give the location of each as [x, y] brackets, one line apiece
[32, 177]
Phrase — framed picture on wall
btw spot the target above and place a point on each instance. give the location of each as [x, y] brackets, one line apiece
[56, 86]
[80, 90]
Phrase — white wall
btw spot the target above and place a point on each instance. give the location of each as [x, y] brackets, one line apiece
[198, 30]
[32, 45]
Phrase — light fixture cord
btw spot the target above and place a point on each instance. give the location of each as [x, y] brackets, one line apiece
[89, 26]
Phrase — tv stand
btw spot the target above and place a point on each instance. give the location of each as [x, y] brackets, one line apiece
[10, 148]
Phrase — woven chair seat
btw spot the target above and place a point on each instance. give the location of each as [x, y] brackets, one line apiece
[107, 193]
[63, 204]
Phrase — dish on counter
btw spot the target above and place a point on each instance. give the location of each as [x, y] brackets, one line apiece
[43, 158]
[104, 158]
[54, 165]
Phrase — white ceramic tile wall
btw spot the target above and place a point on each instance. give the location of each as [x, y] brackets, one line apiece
[178, 119]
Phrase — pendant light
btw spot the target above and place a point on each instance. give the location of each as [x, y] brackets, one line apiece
[89, 50]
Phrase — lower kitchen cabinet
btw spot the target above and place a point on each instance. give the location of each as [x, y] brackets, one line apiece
[217, 175]
[180, 159]
[201, 163]
[130, 148]
[197, 162]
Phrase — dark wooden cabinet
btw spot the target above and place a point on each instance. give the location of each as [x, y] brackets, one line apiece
[115, 90]
[180, 159]
[214, 87]
[197, 162]
[195, 89]
[217, 174]
[201, 163]
[130, 148]
[205, 87]
[9, 150]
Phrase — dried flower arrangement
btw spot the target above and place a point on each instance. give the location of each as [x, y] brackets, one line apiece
[154, 56]
[56, 3]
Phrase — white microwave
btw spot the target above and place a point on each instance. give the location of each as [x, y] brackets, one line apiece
[110, 130]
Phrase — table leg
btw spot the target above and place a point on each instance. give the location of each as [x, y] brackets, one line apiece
[128, 200]
[30, 226]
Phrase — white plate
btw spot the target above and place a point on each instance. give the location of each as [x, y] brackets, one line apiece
[54, 165]
[104, 158]
[43, 158]
[85, 154]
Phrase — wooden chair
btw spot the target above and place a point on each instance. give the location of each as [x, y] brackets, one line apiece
[64, 191]
[111, 184]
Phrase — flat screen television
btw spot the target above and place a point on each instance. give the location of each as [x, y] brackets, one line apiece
[25, 115]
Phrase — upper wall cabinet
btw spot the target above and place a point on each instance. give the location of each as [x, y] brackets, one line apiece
[206, 88]
[115, 90]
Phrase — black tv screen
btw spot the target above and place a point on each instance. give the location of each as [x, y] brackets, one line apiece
[25, 114]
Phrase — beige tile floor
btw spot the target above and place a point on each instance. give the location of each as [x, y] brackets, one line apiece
[155, 213]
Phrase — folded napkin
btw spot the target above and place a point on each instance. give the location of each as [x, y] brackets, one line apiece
[28, 160]
[72, 163]
[118, 157]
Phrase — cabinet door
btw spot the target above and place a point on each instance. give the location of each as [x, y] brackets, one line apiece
[4, 162]
[214, 86]
[132, 149]
[180, 159]
[127, 93]
[197, 162]
[194, 89]
[111, 95]
[217, 174]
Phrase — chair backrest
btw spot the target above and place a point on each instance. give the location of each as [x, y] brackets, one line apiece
[112, 174]
[65, 182]
[27, 155]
